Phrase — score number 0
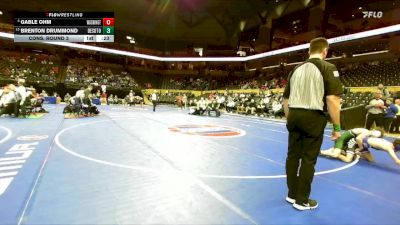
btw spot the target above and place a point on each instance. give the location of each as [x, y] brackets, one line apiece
[108, 21]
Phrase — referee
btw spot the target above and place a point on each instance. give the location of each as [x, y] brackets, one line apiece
[313, 88]
[154, 99]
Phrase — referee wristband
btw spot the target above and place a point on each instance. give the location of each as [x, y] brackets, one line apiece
[336, 127]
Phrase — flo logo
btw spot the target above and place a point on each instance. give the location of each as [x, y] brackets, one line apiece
[208, 130]
[372, 14]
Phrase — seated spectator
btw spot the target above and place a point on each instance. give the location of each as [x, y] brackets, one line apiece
[98, 94]
[67, 97]
[221, 101]
[277, 108]
[139, 100]
[110, 100]
[230, 106]
[251, 107]
[241, 107]
[116, 100]
[261, 109]
[127, 101]
[44, 93]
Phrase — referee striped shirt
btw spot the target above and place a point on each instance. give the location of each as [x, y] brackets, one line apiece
[310, 82]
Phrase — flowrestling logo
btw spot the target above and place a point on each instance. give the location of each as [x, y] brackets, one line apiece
[372, 14]
[208, 130]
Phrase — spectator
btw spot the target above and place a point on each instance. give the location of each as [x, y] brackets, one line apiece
[375, 111]
[277, 108]
[251, 107]
[390, 114]
[261, 109]
[395, 128]
[44, 93]
[67, 97]
[385, 92]
[21, 98]
[184, 100]
[231, 105]
[110, 100]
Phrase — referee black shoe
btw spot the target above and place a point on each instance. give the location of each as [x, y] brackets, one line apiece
[290, 200]
[311, 204]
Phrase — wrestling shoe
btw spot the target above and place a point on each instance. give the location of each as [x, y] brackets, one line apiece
[311, 204]
[290, 200]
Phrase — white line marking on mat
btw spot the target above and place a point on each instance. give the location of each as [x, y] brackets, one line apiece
[204, 186]
[146, 169]
[277, 176]
[9, 133]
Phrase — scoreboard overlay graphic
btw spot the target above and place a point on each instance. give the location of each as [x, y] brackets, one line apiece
[64, 27]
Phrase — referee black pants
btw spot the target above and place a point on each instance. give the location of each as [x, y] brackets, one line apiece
[306, 129]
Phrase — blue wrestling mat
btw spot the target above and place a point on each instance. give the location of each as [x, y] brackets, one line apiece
[133, 166]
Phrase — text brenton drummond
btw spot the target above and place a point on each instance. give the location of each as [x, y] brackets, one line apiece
[49, 30]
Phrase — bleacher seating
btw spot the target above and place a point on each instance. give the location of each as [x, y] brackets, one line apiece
[113, 76]
[371, 74]
[35, 69]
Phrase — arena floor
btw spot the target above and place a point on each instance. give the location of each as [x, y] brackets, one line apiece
[133, 166]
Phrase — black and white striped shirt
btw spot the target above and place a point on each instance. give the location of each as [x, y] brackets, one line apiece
[310, 82]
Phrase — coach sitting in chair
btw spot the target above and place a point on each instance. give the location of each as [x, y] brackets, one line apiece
[37, 102]
[213, 106]
[83, 104]
[201, 106]
[77, 102]
[70, 107]
[88, 107]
